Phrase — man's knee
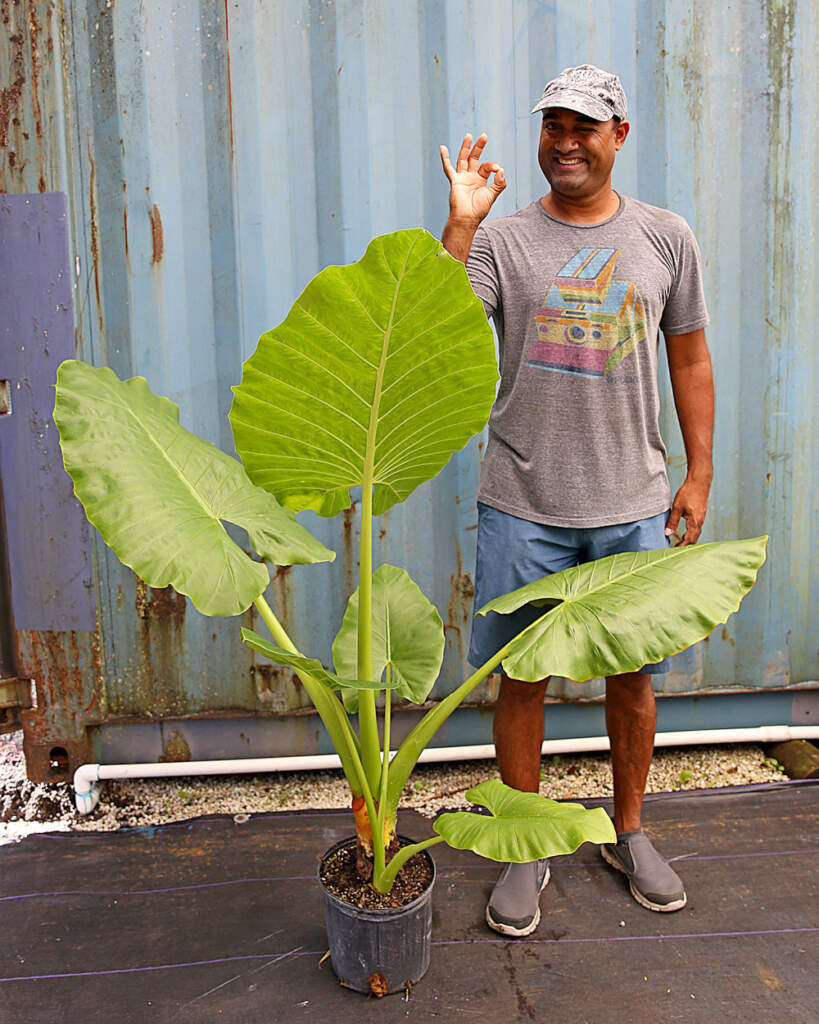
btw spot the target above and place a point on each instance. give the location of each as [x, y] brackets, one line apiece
[516, 691]
[630, 694]
[629, 684]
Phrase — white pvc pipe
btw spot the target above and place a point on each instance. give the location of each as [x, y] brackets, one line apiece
[89, 777]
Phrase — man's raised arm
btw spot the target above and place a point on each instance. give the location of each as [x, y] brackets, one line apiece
[471, 194]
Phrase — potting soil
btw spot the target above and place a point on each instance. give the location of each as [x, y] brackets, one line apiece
[339, 875]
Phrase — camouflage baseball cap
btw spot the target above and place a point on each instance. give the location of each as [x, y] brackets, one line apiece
[588, 90]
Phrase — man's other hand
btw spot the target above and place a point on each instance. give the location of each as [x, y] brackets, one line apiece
[471, 192]
[690, 504]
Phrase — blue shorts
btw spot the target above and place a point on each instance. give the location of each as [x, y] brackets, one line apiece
[513, 552]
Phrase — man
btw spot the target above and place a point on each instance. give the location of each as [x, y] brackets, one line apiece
[579, 283]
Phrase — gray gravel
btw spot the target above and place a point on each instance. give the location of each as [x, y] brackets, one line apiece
[26, 808]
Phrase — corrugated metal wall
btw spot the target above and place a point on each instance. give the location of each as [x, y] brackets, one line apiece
[217, 154]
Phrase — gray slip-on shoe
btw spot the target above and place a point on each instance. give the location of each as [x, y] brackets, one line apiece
[653, 883]
[514, 906]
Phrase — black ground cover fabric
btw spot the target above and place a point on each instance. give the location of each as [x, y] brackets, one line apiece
[211, 920]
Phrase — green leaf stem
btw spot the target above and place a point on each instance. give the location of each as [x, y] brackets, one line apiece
[312, 665]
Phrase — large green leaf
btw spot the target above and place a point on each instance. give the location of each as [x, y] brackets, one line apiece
[625, 611]
[158, 494]
[408, 635]
[312, 665]
[380, 372]
[522, 826]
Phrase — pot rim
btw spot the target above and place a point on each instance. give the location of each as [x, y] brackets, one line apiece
[380, 913]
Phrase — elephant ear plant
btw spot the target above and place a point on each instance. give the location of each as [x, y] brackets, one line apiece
[380, 372]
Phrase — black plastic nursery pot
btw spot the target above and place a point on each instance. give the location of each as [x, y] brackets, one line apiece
[378, 951]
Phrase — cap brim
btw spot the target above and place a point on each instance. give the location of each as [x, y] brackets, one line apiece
[568, 99]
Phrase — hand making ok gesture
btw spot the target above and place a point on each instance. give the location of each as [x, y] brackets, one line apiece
[471, 193]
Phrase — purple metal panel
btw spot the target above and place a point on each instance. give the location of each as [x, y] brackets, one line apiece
[48, 534]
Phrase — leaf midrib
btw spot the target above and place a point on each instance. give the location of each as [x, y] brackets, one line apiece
[369, 453]
[118, 403]
[548, 817]
[610, 581]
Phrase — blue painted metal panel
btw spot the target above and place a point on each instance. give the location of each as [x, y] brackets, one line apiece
[49, 546]
[219, 154]
[301, 734]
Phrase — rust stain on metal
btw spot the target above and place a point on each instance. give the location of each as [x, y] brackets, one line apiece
[95, 231]
[347, 521]
[53, 660]
[459, 606]
[267, 679]
[161, 613]
[281, 579]
[125, 222]
[98, 708]
[55, 667]
[41, 766]
[279, 689]
[157, 239]
[34, 33]
[11, 94]
[693, 65]
[176, 748]
[229, 89]
[782, 248]
[160, 603]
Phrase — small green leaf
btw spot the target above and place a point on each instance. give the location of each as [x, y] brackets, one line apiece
[408, 635]
[158, 493]
[625, 611]
[312, 665]
[522, 826]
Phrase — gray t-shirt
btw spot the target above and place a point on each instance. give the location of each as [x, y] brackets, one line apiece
[573, 435]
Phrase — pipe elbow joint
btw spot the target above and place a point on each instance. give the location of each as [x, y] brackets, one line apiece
[87, 788]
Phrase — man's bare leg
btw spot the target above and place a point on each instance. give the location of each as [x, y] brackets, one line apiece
[631, 719]
[518, 732]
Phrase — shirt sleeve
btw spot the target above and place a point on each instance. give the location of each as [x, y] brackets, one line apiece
[685, 309]
[483, 271]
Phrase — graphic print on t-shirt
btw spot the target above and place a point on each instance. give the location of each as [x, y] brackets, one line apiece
[589, 322]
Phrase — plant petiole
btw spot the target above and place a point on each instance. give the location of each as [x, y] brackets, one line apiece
[329, 708]
[384, 881]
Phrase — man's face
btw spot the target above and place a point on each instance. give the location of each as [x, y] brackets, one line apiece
[576, 153]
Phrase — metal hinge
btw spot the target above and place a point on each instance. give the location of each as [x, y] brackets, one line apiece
[14, 695]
